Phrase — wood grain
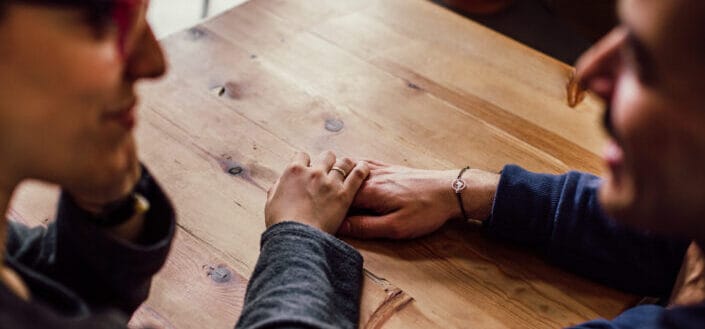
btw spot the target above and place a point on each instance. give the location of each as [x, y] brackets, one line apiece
[402, 81]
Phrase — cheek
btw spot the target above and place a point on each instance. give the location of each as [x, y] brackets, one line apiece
[627, 108]
[66, 103]
[637, 117]
[95, 69]
[64, 91]
[73, 64]
[92, 78]
[664, 148]
[643, 119]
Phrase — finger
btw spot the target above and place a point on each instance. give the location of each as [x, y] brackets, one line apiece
[324, 161]
[367, 197]
[302, 158]
[373, 164]
[367, 227]
[346, 165]
[270, 191]
[356, 177]
[585, 70]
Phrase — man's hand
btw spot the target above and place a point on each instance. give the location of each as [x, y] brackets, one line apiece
[689, 288]
[315, 193]
[402, 203]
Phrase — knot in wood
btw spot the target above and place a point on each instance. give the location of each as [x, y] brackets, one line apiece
[196, 33]
[412, 85]
[218, 91]
[334, 125]
[237, 170]
[219, 273]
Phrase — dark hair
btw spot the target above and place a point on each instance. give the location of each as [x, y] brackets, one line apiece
[98, 11]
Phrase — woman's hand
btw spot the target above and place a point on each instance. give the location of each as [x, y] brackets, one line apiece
[316, 194]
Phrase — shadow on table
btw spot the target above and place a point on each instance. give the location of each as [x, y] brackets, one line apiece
[459, 252]
[532, 23]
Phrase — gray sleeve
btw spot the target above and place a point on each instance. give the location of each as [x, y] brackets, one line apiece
[304, 278]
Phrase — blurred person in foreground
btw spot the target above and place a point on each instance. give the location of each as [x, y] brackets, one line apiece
[68, 70]
[67, 111]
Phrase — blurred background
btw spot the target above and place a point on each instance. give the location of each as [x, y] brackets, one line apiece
[560, 28]
[169, 16]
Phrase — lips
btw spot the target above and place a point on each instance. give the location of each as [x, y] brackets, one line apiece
[124, 115]
[614, 159]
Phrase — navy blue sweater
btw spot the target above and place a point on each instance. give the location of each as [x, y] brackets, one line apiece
[558, 215]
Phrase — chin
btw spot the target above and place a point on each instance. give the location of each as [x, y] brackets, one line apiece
[629, 209]
[618, 202]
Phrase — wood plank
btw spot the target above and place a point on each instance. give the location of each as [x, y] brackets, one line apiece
[197, 288]
[374, 296]
[460, 55]
[425, 124]
[34, 203]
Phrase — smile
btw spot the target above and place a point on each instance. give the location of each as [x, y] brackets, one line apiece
[124, 115]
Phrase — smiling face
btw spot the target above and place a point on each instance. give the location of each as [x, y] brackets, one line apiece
[67, 93]
[649, 71]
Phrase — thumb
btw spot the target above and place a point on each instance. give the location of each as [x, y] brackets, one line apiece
[368, 227]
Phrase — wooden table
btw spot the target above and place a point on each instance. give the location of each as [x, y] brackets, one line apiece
[402, 81]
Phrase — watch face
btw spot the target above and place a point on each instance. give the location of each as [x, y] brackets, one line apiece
[458, 185]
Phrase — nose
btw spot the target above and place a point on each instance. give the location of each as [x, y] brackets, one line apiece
[597, 68]
[146, 59]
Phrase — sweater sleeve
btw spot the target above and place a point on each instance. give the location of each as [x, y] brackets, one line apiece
[105, 271]
[652, 317]
[561, 216]
[304, 278]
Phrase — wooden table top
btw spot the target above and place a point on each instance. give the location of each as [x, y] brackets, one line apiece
[402, 81]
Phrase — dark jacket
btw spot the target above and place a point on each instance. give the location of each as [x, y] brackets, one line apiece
[79, 276]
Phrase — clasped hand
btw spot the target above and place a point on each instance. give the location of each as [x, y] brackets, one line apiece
[375, 200]
[316, 193]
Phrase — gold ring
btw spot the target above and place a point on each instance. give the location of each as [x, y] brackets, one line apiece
[340, 170]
